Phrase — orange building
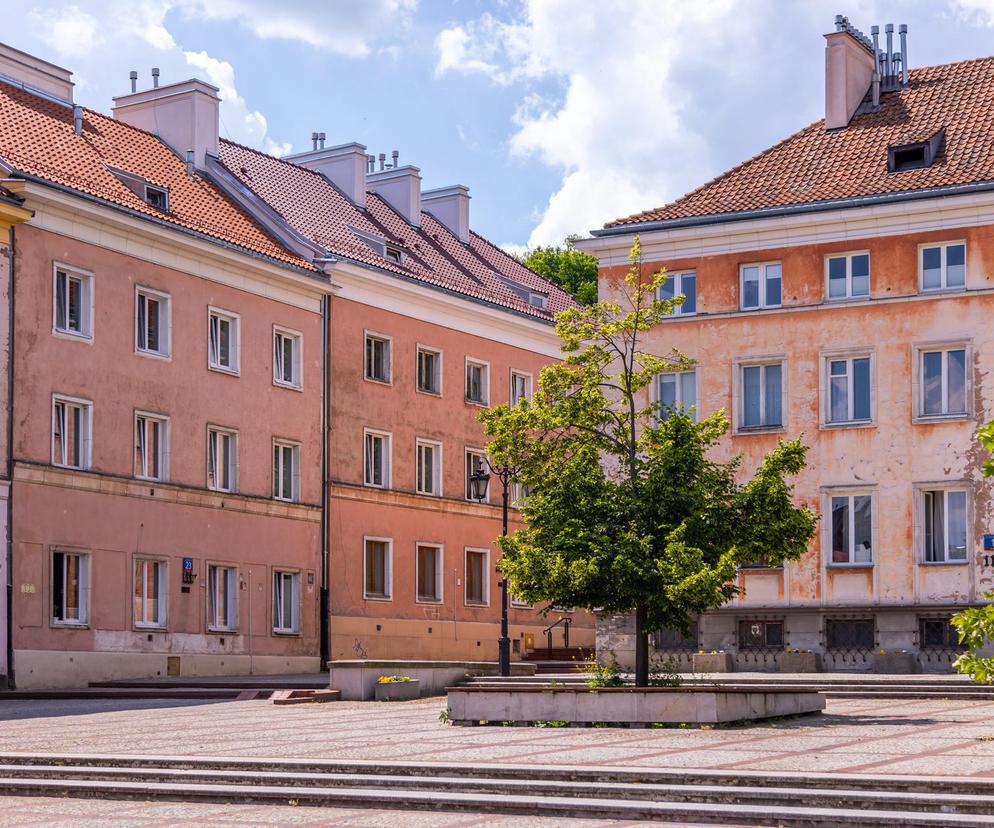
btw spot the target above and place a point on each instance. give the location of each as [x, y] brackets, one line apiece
[839, 288]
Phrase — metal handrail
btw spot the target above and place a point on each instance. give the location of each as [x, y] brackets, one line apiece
[565, 621]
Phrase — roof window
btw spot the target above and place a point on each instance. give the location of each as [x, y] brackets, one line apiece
[393, 253]
[915, 156]
[156, 197]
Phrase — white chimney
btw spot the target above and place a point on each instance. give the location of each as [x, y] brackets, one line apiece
[450, 205]
[35, 74]
[849, 65]
[184, 115]
[400, 187]
[344, 166]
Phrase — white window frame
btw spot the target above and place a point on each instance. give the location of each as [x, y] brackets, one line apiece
[825, 387]
[695, 404]
[918, 357]
[165, 326]
[437, 352]
[762, 285]
[676, 278]
[849, 491]
[162, 597]
[235, 345]
[439, 570]
[388, 341]
[86, 435]
[848, 256]
[387, 456]
[436, 483]
[738, 393]
[944, 276]
[529, 379]
[141, 472]
[518, 603]
[518, 494]
[944, 486]
[466, 485]
[231, 572]
[86, 301]
[485, 381]
[164, 206]
[221, 431]
[486, 576]
[278, 596]
[282, 444]
[85, 562]
[297, 338]
[388, 569]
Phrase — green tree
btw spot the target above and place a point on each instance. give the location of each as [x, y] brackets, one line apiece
[976, 624]
[626, 511]
[573, 270]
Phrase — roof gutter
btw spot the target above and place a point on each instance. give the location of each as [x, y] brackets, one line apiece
[796, 209]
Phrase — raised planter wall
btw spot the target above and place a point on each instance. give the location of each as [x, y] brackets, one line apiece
[713, 663]
[397, 690]
[896, 663]
[800, 663]
[357, 678]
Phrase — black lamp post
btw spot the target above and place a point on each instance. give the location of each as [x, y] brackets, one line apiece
[480, 482]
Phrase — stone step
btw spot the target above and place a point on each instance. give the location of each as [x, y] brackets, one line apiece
[191, 692]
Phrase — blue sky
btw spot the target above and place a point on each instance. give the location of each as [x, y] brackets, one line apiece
[558, 114]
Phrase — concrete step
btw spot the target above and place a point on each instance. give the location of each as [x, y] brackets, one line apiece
[215, 693]
[316, 681]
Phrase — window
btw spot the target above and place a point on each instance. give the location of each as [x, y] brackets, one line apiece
[475, 463]
[151, 446]
[377, 563]
[852, 529]
[477, 578]
[429, 565]
[393, 253]
[222, 460]
[761, 285]
[152, 322]
[429, 468]
[684, 284]
[762, 396]
[287, 358]
[938, 634]
[286, 471]
[73, 302]
[850, 634]
[376, 461]
[429, 371]
[519, 494]
[901, 157]
[222, 339]
[943, 266]
[377, 358]
[286, 602]
[848, 381]
[760, 634]
[521, 387]
[677, 392]
[222, 593]
[520, 603]
[944, 525]
[70, 587]
[848, 275]
[156, 197]
[71, 432]
[477, 382]
[150, 593]
[943, 386]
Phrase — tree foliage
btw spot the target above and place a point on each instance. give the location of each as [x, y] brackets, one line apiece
[573, 270]
[627, 511]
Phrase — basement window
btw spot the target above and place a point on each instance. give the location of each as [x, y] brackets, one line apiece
[917, 155]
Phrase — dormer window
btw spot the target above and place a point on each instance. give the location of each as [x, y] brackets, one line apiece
[393, 253]
[156, 197]
[916, 155]
[538, 300]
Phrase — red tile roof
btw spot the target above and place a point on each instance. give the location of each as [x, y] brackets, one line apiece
[432, 254]
[37, 140]
[815, 166]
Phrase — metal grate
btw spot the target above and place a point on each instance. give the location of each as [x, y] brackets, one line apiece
[849, 642]
[761, 640]
[938, 641]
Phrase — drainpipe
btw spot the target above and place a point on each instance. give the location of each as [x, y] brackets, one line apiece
[325, 575]
[9, 586]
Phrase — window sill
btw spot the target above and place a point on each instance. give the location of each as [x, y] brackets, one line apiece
[428, 494]
[853, 565]
[222, 630]
[147, 628]
[383, 599]
[478, 502]
[165, 357]
[847, 424]
[940, 290]
[761, 308]
[69, 625]
[433, 601]
[474, 605]
[760, 569]
[376, 381]
[286, 499]
[477, 403]
[287, 633]
[380, 486]
[220, 369]
[151, 479]
[925, 419]
[846, 300]
[71, 468]
[943, 563]
[289, 386]
[743, 431]
[428, 393]
[72, 336]
[224, 491]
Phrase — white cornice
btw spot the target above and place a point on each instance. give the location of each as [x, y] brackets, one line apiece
[408, 298]
[81, 219]
[848, 224]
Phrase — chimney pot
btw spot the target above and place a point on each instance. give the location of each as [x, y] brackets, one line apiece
[133, 77]
[383, 161]
[155, 77]
[189, 162]
[77, 119]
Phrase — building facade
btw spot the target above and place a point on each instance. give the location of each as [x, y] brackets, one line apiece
[838, 289]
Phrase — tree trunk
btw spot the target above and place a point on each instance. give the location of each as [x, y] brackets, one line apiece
[641, 648]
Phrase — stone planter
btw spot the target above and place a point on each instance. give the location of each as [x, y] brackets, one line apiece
[398, 690]
[800, 663]
[895, 663]
[713, 663]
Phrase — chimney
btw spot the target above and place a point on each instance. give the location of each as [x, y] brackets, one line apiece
[344, 166]
[34, 74]
[450, 205]
[184, 115]
[849, 67]
[400, 187]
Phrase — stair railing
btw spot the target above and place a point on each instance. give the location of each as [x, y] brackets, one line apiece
[565, 622]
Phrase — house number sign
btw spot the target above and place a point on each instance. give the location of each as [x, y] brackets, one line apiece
[988, 550]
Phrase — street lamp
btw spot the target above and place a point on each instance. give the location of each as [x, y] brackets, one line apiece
[479, 483]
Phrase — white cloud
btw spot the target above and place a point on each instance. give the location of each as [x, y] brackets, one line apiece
[979, 11]
[72, 32]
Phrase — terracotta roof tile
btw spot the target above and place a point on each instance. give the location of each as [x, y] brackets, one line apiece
[818, 166]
